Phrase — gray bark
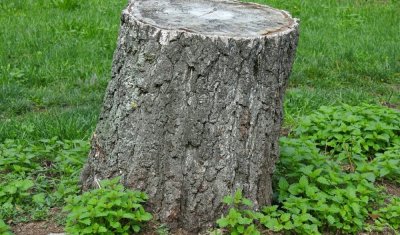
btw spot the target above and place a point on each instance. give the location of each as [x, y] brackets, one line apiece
[191, 114]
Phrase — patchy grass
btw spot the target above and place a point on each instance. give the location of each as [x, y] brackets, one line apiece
[55, 60]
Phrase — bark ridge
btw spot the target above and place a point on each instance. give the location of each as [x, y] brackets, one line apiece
[190, 118]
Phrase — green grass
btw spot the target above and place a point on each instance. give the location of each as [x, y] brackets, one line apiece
[55, 60]
[348, 53]
[55, 63]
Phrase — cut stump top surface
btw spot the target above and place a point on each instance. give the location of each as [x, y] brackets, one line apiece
[212, 17]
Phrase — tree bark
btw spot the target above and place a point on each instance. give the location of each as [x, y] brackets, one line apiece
[194, 108]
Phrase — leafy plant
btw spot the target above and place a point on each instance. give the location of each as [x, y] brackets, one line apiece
[296, 220]
[108, 210]
[239, 220]
[16, 191]
[386, 165]
[326, 177]
[4, 228]
[365, 129]
[390, 214]
[162, 230]
[328, 171]
[38, 175]
[13, 195]
[317, 185]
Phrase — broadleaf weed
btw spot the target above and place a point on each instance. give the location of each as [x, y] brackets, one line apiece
[38, 175]
[110, 209]
[326, 177]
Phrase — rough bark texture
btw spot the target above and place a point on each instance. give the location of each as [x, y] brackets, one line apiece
[190, 117]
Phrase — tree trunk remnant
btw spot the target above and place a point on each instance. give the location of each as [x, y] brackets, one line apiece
[194, 108]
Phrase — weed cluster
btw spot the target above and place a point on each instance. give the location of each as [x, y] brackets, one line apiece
[4, 228]
[108, 210]
[239, 220]
[326, 180]
[328, 174]
[36, 176]
[54, 72]
[343, 130]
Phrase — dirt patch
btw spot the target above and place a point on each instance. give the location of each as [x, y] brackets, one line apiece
[285, 131]
[392, 188]
[36, 228]
[394, 106]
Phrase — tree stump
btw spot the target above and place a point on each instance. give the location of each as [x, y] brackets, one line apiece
[194, 108]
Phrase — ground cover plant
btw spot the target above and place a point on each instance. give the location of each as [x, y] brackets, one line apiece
[55, 59]
[320, 189]
[37, 176]
[110, 209]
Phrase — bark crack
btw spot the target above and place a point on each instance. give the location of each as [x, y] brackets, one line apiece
[204, 124]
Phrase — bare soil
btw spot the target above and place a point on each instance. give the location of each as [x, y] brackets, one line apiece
[392, 188]
[47, 227]
[37, 228]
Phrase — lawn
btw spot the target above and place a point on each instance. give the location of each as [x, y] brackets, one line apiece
[55, 60]
[55, 63]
